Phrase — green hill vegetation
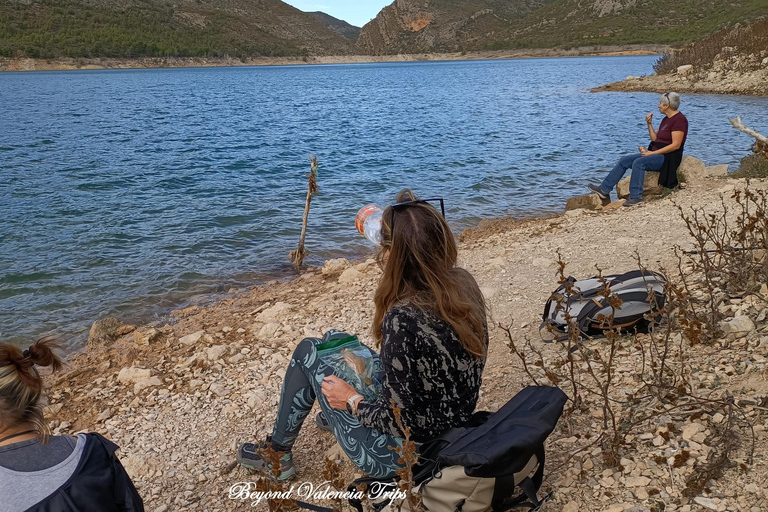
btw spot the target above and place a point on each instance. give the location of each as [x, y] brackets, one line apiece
[411, 26]
[341, 27]
[140, 28]
[621, 22]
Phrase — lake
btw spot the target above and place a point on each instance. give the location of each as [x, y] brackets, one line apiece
[131, 192]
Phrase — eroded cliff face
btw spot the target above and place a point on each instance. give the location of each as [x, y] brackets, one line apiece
[415, 26]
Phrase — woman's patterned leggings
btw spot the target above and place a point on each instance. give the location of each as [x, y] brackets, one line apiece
[369, 449]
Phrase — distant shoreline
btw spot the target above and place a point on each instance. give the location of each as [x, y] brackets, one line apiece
[62, 64]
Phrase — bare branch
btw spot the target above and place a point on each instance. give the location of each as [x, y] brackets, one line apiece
[749, 131]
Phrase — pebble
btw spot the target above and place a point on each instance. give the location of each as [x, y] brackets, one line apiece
[191, 339]
[705, 502]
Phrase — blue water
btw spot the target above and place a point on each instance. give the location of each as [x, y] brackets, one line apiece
[130, 192]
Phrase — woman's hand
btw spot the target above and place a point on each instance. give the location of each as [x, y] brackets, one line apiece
[649, 118]
[337, 391]
[643, 151]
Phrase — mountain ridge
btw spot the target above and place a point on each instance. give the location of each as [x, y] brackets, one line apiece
[160, 28]
[411, 26]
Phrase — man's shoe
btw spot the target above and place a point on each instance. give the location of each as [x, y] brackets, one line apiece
[633, 202]
[598, 191]
[248, 456]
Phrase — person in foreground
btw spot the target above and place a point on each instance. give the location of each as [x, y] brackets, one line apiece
[663, 154]
[430, 324]
[44, 473]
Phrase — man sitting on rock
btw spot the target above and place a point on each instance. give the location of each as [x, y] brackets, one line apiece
[663, 154]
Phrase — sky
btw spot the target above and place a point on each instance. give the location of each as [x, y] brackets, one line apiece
[355, 12]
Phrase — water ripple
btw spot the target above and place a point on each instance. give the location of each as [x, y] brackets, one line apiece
[129, 192]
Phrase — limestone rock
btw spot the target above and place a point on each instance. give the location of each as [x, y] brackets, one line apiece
[692, 169]
[571, 506]
[268, 331]
[274, 313]
[587, 201]
[146, 383]
[216, 352]
[717, 171]
[191, 339]
[650, 186]
[689, 431]
[618, 507]
[738, 324]
[685, 70]
[218, 389]
[335, 265]
[705, 502]
[108, 329]
[638, 481]
[350, 276]
[146, 338]
[133, 374]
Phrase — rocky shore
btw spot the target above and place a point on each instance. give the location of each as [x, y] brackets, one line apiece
[179, 396]
[7, 64]
[726, 76]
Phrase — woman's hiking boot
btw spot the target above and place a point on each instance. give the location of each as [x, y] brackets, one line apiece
[248, 455]
[322, 422]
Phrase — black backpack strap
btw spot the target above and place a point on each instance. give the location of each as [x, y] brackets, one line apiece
[315, 508]
[354, 487]
[530, 485]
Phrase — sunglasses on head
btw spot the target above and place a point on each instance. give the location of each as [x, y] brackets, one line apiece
[400, 206]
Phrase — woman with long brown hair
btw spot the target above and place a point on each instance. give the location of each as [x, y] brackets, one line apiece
[430, 325]
[44, 473]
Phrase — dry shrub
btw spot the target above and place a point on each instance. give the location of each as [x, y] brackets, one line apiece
[753, 166]
[728, 262]
[741, 45]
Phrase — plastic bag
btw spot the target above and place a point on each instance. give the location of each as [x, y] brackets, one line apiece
[354, 363]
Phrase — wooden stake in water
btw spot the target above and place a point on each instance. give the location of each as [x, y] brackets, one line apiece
[298, 255]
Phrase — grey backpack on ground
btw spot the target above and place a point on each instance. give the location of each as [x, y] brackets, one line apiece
[642, 293]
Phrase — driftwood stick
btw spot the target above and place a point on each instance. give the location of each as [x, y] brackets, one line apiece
[749, 131]
[298, 255]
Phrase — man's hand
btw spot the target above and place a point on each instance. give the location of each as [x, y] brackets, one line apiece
[337, 391]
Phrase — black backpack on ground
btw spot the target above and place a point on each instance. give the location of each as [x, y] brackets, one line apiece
[494, 463]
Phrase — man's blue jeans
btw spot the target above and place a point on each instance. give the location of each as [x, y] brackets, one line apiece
[639, 164]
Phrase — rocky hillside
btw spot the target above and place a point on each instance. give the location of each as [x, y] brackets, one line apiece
[160, 28]
[409, 26]
[733, 61]
[341, 27]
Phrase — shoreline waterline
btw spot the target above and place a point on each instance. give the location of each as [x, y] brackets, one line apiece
[103, 63]
[150, 312]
